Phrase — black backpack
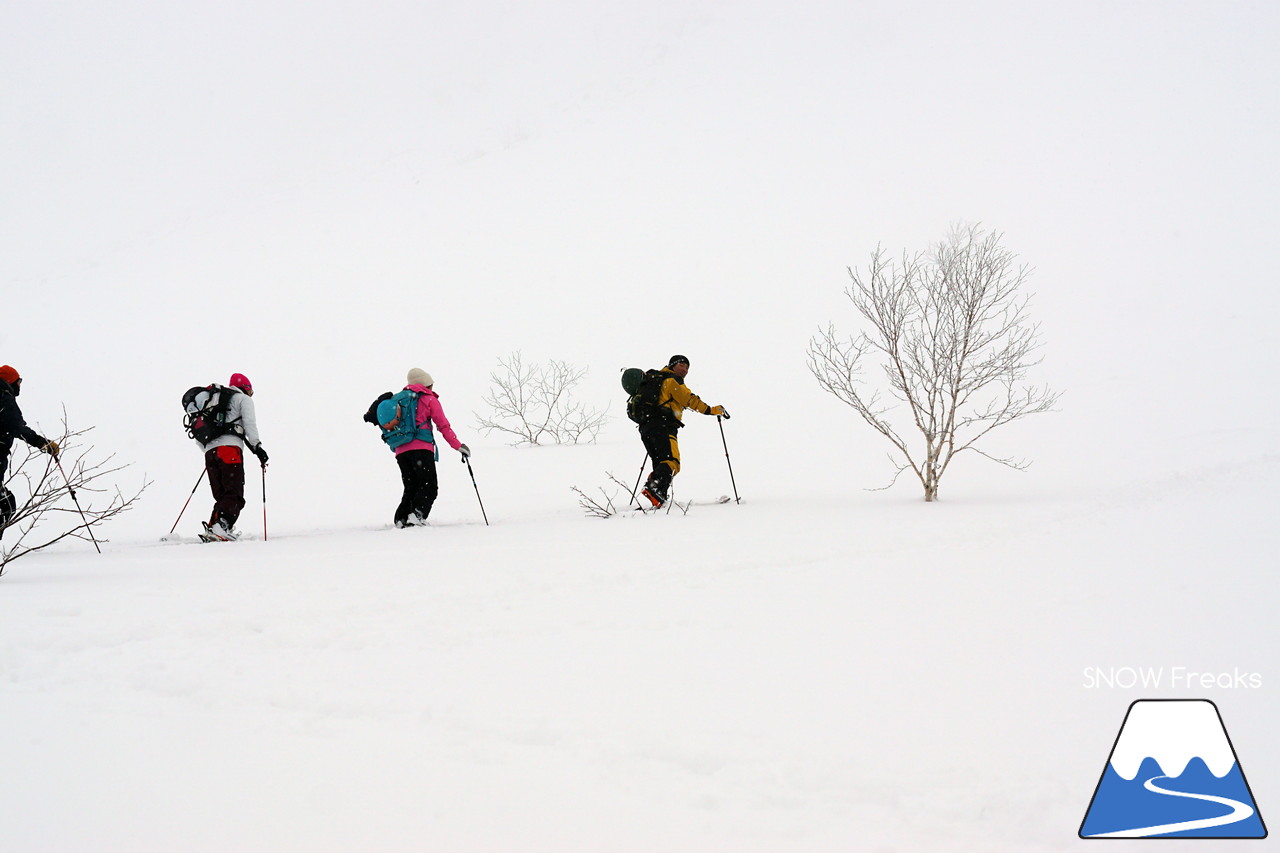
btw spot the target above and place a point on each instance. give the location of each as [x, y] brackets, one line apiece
[371, 416]
[206, 408]
[645, 388]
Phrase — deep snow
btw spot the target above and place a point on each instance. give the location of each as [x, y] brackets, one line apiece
[854, 673]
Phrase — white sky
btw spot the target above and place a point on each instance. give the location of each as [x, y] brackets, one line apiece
[269, 187]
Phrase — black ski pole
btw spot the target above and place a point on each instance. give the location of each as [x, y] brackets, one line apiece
[736, 499]
[76, 501]
[189, 497]
[467, 460]
[636, 488]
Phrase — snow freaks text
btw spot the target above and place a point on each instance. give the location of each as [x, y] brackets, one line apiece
[1168, 677]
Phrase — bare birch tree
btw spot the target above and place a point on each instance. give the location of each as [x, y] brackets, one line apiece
[49, 514]
[950, 332]
[535, 403]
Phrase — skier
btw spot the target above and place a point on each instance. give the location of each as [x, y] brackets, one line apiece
[414, 444]
[224, 459]
[13, 426]
[659, 433]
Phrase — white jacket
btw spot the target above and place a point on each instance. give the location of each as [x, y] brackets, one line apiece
[241, 414]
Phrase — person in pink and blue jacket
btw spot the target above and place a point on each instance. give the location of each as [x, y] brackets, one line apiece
[406, 420]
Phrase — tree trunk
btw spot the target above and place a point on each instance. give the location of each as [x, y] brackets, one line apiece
[931, 477]
[930, 484]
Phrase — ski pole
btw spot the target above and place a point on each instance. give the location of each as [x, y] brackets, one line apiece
[76, 501]
[736, 499]
[189, 497]
[636, 488]
[467, 460]
[264, 503]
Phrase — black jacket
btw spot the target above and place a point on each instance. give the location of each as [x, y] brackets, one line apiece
[13, 426]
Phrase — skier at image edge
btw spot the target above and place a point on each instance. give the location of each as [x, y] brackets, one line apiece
[224, 459]
[659, 434]
[13, 426]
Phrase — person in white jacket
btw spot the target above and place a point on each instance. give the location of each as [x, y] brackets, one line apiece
[224, 459]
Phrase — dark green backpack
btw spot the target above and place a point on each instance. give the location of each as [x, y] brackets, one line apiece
[644, 386]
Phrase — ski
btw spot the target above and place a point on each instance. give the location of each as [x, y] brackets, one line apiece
[682, 505]
[178, 539]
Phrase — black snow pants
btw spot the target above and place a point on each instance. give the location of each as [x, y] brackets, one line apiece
[418, 474]
[8, 506]
[659, 437]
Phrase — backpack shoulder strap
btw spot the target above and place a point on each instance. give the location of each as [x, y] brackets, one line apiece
[423, 432]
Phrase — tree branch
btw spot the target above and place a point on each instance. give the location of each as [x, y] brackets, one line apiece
[42, 519]
[950, 333]
[534, 403]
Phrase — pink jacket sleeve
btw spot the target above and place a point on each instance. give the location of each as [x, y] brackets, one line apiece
[429, 409]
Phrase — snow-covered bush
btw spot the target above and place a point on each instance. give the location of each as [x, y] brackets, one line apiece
[535, 403]
[67, 497]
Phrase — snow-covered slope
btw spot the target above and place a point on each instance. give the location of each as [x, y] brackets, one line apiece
[853, 673]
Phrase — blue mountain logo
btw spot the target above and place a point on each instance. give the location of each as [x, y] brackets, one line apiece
[1173, 773]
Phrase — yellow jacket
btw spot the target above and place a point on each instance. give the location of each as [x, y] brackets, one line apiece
[675, 396]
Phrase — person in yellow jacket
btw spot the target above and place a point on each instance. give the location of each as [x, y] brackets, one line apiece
[659, 433]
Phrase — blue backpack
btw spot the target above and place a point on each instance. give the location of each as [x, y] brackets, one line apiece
[398, 420]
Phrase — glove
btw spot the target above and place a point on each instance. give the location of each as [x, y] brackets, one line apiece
[720, 411]
[465, 451]
[51, 447]
[261, 453]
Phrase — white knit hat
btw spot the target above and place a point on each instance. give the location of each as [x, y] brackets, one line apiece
[418, 376]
